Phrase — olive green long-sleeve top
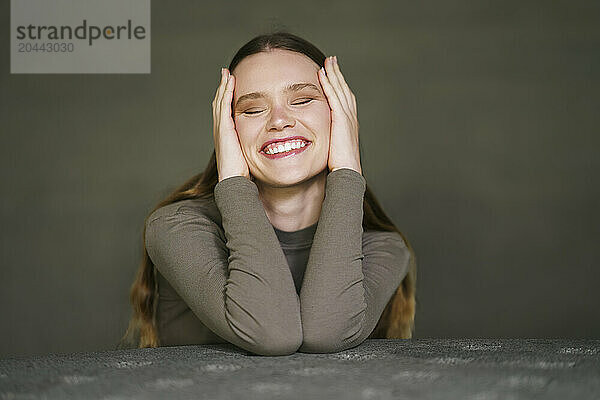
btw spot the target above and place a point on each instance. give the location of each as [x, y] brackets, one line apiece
[226, 274]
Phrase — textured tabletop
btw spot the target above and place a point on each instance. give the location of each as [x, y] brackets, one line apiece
[377, 369]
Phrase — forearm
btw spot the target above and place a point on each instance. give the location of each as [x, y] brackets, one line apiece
[260, 294]
[332, 298]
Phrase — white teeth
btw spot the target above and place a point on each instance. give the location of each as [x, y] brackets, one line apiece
[278, 148]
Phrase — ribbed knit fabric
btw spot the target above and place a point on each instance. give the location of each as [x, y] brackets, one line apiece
[226, 274]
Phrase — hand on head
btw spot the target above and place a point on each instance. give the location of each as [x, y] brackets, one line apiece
[230, 158]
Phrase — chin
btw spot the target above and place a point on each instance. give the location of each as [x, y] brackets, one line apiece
[285, 178]
[282, 180]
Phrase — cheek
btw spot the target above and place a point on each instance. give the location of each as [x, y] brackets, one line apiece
[240, 123]
[247, 131]
[320, 117]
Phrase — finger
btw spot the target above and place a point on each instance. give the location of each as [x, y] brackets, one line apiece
[329, 68]
[216, 97]
[220, 91]
[227, 97]
[217, 102]
[344, 85]
[332, 97]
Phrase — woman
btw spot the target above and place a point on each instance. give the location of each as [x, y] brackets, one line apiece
[278, 246]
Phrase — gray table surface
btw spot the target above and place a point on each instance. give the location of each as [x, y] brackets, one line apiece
[377, 369]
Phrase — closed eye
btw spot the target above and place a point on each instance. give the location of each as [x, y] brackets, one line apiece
[306, 101]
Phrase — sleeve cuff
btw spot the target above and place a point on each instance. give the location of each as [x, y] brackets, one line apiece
[347, 178]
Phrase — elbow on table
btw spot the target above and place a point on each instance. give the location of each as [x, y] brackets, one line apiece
[277, 345]
[333, 339]
[328, 343]
[273, 339]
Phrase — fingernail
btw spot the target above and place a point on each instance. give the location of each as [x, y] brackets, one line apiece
[335, 58]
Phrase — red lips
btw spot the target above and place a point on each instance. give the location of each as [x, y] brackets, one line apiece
[268, 142]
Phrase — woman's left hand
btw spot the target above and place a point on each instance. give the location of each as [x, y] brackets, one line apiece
[343, 142]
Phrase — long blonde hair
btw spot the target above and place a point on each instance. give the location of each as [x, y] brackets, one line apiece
[397, 319]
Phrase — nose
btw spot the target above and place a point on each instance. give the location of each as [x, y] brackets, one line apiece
[280, 118]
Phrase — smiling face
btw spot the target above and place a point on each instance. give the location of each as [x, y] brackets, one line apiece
[278, 95]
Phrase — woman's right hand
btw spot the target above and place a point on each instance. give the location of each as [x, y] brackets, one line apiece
[230, 159]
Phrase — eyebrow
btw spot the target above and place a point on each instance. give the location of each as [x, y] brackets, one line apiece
[294, 87]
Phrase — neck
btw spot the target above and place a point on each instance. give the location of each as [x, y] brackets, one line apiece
[296, 207]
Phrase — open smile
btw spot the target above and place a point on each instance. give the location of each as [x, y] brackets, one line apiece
[289, 153]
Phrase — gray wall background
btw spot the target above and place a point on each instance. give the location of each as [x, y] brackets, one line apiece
[479, 129]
